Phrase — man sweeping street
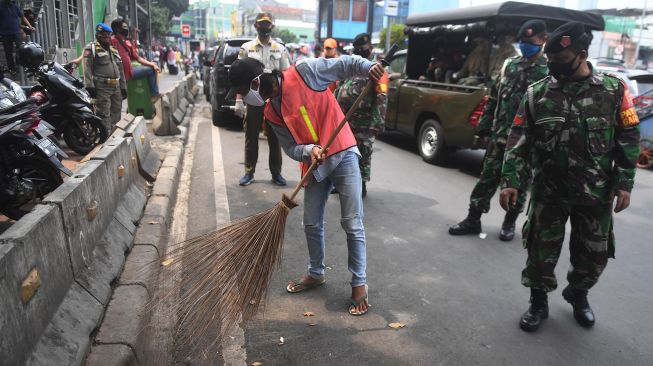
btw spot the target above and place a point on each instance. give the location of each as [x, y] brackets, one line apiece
[579, 132]
[304, 114]
[517, 73]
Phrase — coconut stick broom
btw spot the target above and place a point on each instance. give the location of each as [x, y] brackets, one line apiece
[227, 272]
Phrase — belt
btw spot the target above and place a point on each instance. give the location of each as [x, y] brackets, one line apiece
[109, 81]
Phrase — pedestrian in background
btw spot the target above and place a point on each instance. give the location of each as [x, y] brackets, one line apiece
[579, 132]
[129, 53]
[331, 51]
[368, 121]
[517, 73]
[273, 56]
[11, 18]
[104, 76]
[317, 51]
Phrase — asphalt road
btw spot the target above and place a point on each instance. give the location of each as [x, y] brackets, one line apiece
[459, 298]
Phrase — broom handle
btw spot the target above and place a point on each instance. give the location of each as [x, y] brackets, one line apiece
[325, 148]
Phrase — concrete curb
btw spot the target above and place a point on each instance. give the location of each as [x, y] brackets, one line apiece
[120, 338]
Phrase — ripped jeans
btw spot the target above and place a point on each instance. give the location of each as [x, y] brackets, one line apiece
[346, 178]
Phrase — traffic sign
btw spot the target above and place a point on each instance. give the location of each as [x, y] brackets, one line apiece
[185, 31]
[619, 49]
[391, 8]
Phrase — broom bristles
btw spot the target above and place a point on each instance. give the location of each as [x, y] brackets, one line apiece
[225, 275]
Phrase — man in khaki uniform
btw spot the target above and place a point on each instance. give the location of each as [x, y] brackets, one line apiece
[104, 77]
[274, 58]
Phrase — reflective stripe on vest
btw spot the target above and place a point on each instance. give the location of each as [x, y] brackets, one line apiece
[307, 120]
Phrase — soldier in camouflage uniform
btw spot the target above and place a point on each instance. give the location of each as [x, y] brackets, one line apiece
[517, 73]
[579, 131]
[104, 77]
[369, 119]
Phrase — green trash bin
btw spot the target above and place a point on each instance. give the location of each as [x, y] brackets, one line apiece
[138, 98]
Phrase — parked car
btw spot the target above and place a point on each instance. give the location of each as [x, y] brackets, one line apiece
[443, 115]
[207, 57]
[226, 54]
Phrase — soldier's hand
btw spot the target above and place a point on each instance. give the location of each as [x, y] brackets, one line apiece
[317, 154]
[376, 71]
[92, 92]
[623, 200]
[508, 198]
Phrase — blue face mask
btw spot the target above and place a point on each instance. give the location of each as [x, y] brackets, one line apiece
[528, 49]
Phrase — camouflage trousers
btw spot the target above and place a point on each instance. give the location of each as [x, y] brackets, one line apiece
[108, 105]
[365, 141]
[591, 243]
[490, 179]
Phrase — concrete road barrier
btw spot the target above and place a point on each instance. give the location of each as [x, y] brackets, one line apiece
[148, 160]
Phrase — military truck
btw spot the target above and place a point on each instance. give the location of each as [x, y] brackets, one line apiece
[442, 107]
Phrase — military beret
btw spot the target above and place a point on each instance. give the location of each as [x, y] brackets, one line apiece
[531, 28]
[361, 39]
[101, 27]
[566, 35]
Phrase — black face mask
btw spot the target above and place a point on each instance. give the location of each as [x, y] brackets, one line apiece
[264, 32]
[124, 32]
[563, 71]
[363, 53]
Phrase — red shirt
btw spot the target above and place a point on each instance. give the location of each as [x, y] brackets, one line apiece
[127, 53]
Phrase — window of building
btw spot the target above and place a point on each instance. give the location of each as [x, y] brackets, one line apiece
[359, 11]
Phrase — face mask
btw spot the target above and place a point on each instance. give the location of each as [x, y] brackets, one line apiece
[528, 49]
[264, 32]
[124, 32]
[563, 71]
[362, 53]
[253, 97]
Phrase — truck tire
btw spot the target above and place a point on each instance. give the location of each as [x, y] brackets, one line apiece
[430, 142]
[220, 119]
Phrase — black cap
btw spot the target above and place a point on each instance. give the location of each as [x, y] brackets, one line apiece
[242, 72]
[531, 28]
[566, 35]
[361, 39]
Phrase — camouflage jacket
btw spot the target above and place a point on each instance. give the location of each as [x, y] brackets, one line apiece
[581, 139]
[370, 114]
[507, 91]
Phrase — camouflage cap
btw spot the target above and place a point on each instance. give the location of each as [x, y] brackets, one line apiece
[568, 34]
[531, 28]
[361, 39]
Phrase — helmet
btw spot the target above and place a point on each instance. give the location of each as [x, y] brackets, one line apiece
[30, 55]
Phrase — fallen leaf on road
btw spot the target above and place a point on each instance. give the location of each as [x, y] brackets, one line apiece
[396, 325]
[256, 364]
[280, 340]
[309, 313]
[312, 324]
[153, 222]
[166, 262]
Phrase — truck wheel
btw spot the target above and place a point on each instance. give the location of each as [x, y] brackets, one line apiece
[430, 142]
[220, 119]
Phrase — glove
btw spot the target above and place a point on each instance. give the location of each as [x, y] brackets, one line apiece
[92, 92]
[123, 92]
[239, 110]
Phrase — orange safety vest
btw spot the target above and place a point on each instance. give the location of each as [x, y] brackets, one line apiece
[311, 116]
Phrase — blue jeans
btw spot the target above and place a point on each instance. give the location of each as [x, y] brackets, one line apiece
[346, 177]
[149, 73]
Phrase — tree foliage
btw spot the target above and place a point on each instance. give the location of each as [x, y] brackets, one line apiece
[160, 17]
[175, 7]
[285, 35]
[396, 35]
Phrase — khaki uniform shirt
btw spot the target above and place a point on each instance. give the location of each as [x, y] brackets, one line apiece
[102, 67]
[273, 55]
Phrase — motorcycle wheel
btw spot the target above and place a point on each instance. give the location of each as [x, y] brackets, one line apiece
[84, 136]
[45, 177]
[645, 159]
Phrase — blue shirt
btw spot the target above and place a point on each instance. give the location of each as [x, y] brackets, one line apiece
[10, 15]
[318, 73]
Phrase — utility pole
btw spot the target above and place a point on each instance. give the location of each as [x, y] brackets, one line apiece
[388, 34]
[641, 29]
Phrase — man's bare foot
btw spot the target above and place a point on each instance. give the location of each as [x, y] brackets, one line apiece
[306, 283]
[359, 301]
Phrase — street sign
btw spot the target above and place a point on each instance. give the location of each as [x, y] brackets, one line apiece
[185, 31]
[391, 8]
[619, 49]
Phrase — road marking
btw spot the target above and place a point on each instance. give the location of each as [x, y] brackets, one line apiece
[233, 346]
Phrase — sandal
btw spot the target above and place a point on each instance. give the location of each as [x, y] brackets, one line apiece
[355, 303]
[291, 288]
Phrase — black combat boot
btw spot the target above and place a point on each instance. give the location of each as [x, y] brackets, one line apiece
[582, 310]
[508, 227]
[539, 310]
[470, 225]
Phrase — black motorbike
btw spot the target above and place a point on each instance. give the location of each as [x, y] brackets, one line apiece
[69, 108]
[30, 162]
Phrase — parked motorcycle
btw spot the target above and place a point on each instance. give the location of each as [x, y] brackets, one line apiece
[69, 107]
[30, 163]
